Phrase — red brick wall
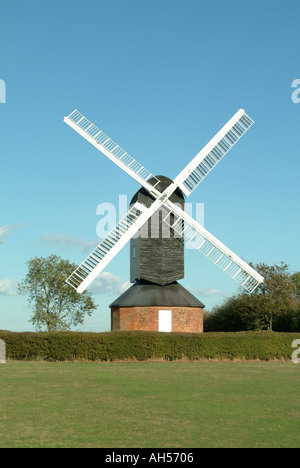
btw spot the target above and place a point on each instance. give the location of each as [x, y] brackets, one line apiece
[184, 319]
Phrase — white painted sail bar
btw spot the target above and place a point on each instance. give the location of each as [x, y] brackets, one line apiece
[213, 152]
[112, 150]
[98, 259]
[202, 240]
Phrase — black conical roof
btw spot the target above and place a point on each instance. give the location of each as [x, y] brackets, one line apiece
[144, 293]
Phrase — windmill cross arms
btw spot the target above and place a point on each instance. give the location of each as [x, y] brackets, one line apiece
[112, 150]
[185, 226]
[193, 174]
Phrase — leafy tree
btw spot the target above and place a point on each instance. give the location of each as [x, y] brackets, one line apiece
[296, 280]
[275, 304]
[237, 313]
[56, 305]
[276, 294]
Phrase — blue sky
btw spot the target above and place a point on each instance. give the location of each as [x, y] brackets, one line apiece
[160, 77]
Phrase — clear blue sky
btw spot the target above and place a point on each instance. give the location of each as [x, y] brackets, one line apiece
[160, 77]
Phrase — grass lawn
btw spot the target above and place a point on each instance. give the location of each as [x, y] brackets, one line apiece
[155, 405]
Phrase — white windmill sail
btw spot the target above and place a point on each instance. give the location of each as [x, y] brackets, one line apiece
[98, 259]
[185, 226]
[213, 152]
[112, 150]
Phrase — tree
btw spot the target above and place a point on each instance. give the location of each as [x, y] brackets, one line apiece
[276, 294]
[275, 304]
[238, 313]
[296, 280]
[56, 305]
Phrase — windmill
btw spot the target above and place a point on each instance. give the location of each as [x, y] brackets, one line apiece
[155, 292]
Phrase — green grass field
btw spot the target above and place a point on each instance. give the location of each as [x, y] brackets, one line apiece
[155, 405]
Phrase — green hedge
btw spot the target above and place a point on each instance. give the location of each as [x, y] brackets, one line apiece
[141, 346]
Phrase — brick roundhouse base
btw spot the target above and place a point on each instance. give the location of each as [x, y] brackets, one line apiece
[184, 319]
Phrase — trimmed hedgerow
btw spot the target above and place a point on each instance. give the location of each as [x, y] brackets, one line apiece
[142, 346]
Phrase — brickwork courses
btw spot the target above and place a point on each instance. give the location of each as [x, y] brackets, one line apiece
[184, 319]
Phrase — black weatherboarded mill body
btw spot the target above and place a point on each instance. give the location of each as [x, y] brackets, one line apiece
[156, 255]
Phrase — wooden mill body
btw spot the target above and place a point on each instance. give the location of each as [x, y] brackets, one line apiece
[156, 254]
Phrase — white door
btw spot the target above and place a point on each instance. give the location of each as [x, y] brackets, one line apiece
[165, 320]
